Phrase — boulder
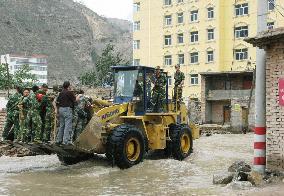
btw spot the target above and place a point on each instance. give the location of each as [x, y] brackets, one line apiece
[255, 178]
[239, 166]
[240, 185]
[223, 178]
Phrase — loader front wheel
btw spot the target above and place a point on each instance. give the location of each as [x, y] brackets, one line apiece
[181, 142]
[125, 146]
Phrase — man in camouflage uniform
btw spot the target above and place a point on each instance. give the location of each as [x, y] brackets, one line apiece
[11, 128]
[179, 82]
[159, 91]
[49, 115]
[33, 117]
[23, 112]
[80, 115]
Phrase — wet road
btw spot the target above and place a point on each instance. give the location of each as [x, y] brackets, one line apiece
[44, 175]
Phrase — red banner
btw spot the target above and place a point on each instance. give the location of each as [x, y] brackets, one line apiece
[281, 92]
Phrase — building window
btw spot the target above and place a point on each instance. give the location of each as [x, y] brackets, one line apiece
[194, 15]
[136, 7]
[136, 62]
[271, 5]
[168, 40]
[180, 17]
[136, 44]
[194, 36]
[170, 80]
[180, 38]
[241, 32]
[168, 20]
[167, 2]
[181, 59]
[270, 25]
[168, 60]
[210, 56]
[210, 34]
[210, 12]
[241, 9]
[179, 1]
[136, 26]
[241, 54]
[193, 79]
[194, 57]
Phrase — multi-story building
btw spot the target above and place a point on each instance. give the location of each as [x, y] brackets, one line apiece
[37, 63]
[201, 36]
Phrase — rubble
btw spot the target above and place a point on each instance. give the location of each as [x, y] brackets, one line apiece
[239, 166]
[223, 178]
[240, 176]
[7, 149]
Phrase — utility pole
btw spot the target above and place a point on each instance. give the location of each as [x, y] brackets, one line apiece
[8, 74]
[260, 94]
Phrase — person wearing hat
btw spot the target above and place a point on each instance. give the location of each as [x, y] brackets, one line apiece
[11, 127]
[159, 90]
[179, 82]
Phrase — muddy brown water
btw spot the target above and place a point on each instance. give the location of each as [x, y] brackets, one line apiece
[44, 175]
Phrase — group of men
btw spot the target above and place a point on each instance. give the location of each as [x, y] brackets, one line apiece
[34, 115]
[159, 90]
[30, 114]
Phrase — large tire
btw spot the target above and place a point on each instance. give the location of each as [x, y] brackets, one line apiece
[71, 160]
[125, 146]
[181, 141]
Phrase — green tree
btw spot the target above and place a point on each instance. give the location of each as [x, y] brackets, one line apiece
[21, 76]
[102, 74]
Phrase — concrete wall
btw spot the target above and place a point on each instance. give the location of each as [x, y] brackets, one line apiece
[274, 112]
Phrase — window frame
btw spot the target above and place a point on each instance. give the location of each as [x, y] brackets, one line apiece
[136, 26]
[210, 35]
[193, 79]
[170, 20]
[180, 18]
[168, 60]
[194, 15]
[194, 37]
[241, 31]
[210, 60]
[180, 37]
[210, 13]
[136, 44]
[194, 57]
[168, 40]
[181, 56]
[241, 54]
[241, 9]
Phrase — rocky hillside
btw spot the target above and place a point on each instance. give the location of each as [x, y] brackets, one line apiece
[66, 31]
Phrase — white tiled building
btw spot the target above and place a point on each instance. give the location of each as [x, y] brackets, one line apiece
[38, 64]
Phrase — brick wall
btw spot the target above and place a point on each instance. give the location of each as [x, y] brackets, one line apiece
[274, 112]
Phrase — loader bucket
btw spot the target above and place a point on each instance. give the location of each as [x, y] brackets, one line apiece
[90, 139]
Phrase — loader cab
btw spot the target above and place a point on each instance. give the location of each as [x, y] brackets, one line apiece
[134, 84]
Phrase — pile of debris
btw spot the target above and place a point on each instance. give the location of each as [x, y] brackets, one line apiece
[241, 176]
[8, 149]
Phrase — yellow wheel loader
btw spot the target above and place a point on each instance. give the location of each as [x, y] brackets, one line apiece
[126, 128]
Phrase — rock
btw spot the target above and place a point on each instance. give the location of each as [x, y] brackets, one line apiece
[239, 166]
[255, 178]
[240, 185]
[223, 178]
[241, 176]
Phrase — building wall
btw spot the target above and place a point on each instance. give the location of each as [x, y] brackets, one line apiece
[38, 64]
[152, 31]
[274, 112]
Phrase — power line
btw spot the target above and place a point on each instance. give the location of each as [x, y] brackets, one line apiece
[275, 7]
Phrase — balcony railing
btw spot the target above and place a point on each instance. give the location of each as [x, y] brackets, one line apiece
[227, 94]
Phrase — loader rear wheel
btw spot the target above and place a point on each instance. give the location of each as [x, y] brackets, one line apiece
[181, 143]
[125, 146]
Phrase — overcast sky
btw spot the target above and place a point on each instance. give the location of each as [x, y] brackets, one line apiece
[111, 8]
